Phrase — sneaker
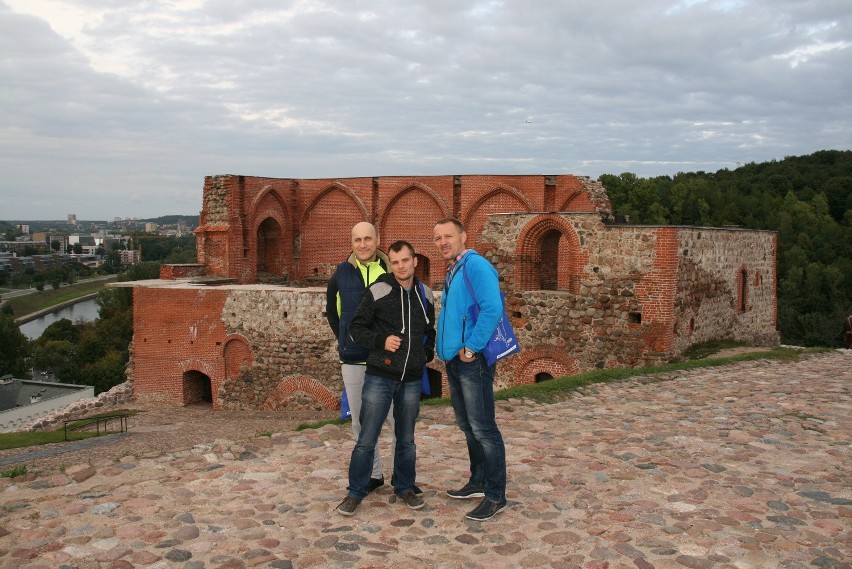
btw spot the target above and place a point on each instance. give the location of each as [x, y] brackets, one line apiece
[412, 500]
[375, 483]
[486, 510]
[348, 506]
[470, 490]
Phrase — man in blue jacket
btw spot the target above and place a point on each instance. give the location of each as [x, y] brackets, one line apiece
[395, 320]
[470, 378]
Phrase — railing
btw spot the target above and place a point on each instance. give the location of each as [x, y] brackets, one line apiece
[80, 424]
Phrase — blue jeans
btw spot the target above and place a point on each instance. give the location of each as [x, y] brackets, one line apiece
[376, 398]
[472, 392]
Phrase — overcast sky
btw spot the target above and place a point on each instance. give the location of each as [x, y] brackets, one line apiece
[119, 108]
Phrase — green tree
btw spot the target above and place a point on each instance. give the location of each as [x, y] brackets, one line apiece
[59, 356]
[14, 347]
[61, 330]
[106, 372]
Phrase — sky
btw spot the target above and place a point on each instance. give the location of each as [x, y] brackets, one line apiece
[117, 108]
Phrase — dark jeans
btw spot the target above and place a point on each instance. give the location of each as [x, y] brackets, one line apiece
[472, 392]
[376, 398]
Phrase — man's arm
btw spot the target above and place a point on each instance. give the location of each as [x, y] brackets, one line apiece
[361, 327]
[331, 314]
[483, 279]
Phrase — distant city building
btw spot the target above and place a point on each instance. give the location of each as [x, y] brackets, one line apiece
[72, 219]
[23, 228]
[150, 227]
[20, 247]
[89, 243]
[131, 257]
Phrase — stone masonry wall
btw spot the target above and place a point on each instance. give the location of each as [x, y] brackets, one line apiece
[290, 341]
[590, 327]
[708, 301]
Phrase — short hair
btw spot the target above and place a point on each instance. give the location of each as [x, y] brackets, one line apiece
[401, 244]
[450, 219]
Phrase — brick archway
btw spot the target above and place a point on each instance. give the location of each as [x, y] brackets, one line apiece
[236, 353]
[570, 256]
[266, 245]
[299, 384]
[546, 359]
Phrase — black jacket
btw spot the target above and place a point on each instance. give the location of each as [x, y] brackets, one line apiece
[389, 310]
[342, 296]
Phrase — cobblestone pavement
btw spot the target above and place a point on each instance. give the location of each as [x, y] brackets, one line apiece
[739, 466]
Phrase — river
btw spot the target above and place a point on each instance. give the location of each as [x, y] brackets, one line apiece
[86, 310]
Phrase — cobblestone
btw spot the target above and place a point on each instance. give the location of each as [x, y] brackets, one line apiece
[739, 466]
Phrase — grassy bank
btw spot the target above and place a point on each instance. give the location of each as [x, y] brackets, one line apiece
[27, 304]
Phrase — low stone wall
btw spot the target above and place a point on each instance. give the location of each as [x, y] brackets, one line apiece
[119, 395]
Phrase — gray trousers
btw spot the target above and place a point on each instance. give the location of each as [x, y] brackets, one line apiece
[353, 381]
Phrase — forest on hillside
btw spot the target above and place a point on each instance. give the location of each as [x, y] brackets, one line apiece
[806, 199]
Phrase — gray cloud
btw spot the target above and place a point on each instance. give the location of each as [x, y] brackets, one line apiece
[116, 108]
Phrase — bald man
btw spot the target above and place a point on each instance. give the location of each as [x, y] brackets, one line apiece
[344, 292]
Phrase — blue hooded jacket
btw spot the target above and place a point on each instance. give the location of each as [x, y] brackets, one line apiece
[455, 329]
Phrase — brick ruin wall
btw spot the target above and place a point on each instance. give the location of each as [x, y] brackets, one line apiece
[628, 296]
[582, 293]
[298, 230]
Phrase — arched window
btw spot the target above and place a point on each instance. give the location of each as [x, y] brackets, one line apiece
[268, 243]
[548, 265]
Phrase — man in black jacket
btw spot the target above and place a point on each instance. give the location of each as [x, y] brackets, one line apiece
[396, 322]
[344, 292]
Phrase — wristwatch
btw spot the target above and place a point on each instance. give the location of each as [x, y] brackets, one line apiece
[468, 353]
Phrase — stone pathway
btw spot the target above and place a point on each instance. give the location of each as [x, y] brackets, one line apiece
[741, 466]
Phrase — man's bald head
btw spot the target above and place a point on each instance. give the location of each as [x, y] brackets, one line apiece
[365, 240]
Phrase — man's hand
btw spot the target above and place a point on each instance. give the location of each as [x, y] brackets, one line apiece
[464, 358]
[392, 343]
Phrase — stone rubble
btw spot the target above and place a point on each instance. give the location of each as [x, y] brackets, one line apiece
[732, 467]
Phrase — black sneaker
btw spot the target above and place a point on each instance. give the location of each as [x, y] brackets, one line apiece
[412, 500]
[470, 490]
[486, 510]
[375, 483]
[348, 506]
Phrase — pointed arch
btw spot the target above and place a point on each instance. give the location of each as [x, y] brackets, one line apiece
[408, 215]
[269, 240]
[566, 203]
[499, 199]
[324, 229]
[545, 240]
